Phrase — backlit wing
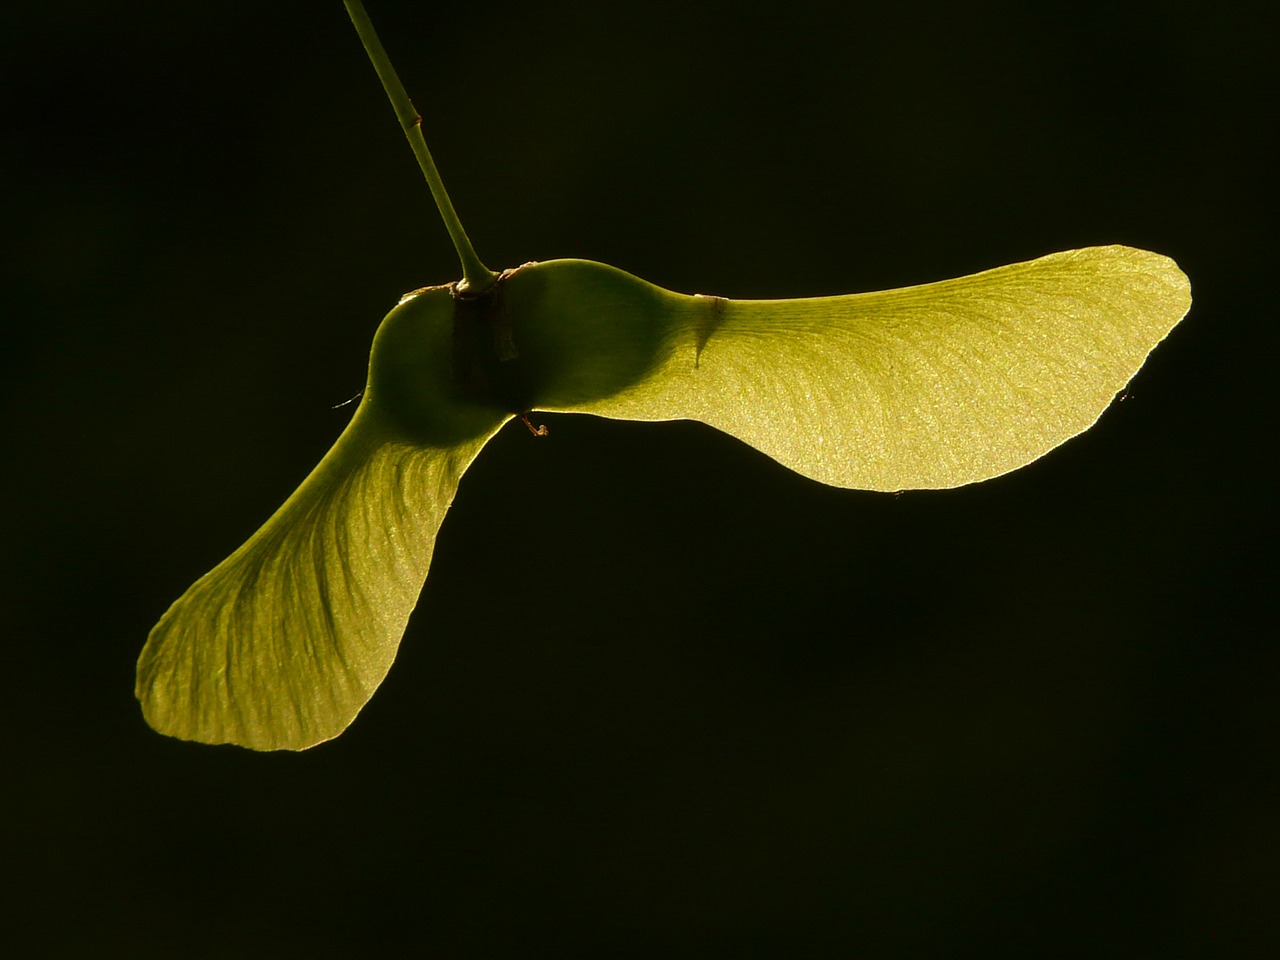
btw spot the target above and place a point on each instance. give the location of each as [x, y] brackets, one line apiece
[923, 387]
[280, 645]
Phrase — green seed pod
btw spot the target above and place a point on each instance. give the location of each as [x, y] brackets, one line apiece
[414, 380]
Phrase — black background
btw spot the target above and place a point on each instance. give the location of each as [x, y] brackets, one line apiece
[661, 697]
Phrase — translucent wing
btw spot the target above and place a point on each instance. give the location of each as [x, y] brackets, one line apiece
[923, 387]
[280, 645]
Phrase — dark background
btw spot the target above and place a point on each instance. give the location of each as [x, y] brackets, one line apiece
[661, 697]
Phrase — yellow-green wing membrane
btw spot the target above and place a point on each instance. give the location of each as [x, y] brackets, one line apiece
[923, 387]
[280, 645]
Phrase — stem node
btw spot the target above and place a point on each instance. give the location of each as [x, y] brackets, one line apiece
[476, 277]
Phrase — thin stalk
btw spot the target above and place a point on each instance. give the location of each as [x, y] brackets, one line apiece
[476, 277]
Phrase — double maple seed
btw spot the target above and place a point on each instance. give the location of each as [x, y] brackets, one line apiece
[280, 645]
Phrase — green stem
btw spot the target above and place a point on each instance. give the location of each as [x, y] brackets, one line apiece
[476, 277]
